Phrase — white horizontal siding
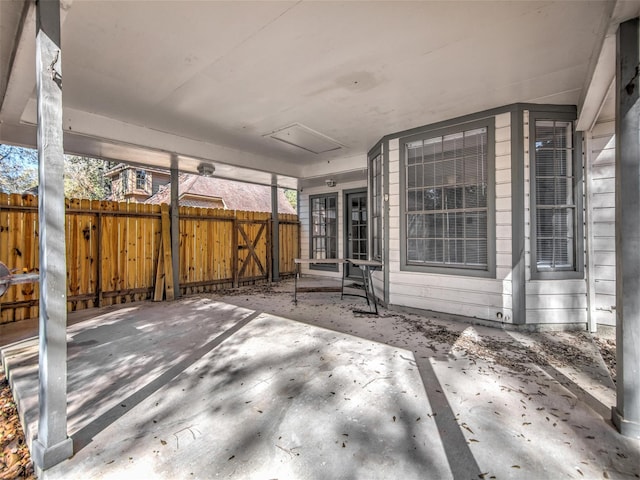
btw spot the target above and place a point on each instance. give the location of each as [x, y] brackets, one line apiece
[552, 287]
[378, 284]
[485, 312]
[604, 272]
[503, 217]
[603, 185]
[557, 302]
[503, 176]
[603, 317]
[453, 282]
[557, 316]
[503, 120]
[605, 287]
[603, 214]
[604, 230]
[604, 258]
[606, 303]
[600, 191]
[603, 244]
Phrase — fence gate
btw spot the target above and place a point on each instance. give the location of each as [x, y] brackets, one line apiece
[254, 248]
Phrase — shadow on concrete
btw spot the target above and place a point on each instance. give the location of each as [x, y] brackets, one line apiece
[83, 437]
[461, 460]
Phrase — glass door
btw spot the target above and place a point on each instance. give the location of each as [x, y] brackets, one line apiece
[356, 230]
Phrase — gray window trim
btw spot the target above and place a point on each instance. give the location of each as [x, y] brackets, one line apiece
[455, 127]
[331, 267]
[373, 153]
[385, 217]
[518, 264]
[492, 112]
[578, 184]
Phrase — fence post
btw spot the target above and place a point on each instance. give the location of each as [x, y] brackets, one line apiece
[99, 256]
[234, 253]
[169, 286]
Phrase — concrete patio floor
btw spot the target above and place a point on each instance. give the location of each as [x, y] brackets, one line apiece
[244, 384]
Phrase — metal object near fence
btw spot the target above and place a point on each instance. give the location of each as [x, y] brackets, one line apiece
[7, 278]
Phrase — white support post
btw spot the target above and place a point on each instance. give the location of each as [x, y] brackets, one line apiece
[626, 413]
[52, 444]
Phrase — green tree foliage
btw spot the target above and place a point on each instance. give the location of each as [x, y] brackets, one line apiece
[292, 196]
[18, 169]
[83, 176]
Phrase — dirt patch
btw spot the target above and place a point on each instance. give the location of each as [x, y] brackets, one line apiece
[15, 460]
[558, 349]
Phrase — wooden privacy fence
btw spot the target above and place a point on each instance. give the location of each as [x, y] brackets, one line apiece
[113, 250]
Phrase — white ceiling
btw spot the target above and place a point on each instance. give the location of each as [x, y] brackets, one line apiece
[211, 80]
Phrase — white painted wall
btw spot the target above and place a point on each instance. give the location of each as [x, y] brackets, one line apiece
[303, 198]
[476, 297]
[548, 301]
[601, 222]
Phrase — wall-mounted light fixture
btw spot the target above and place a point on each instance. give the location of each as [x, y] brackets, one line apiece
[206, 169]
[330, 182]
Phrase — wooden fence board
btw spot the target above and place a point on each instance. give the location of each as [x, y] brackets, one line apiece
[32, 249]
[166, 251]
[113, 250]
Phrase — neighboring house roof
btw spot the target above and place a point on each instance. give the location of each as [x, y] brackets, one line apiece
[194, 190]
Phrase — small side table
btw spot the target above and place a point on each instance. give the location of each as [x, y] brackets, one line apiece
[367, 266]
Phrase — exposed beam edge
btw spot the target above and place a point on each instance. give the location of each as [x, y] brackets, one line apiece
[601, 71]
[21, 82]
[599, 85]
[114, 131]
[24, 135]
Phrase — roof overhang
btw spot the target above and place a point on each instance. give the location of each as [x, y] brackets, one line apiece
[217, 81]
[601, 79]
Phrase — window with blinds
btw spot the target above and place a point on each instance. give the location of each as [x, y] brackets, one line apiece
[375, 169]
[555, 199]
[446, 203]
[324, 229]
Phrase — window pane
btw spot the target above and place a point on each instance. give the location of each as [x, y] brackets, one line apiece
[476, 252]
[455, 251]
[545, 163]
[564, 253]
[555, 202]
[454, 200]
[414, 153]
[545, 191]
[432, 150]
[323, 227]
[333, 248]
[377, 193]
